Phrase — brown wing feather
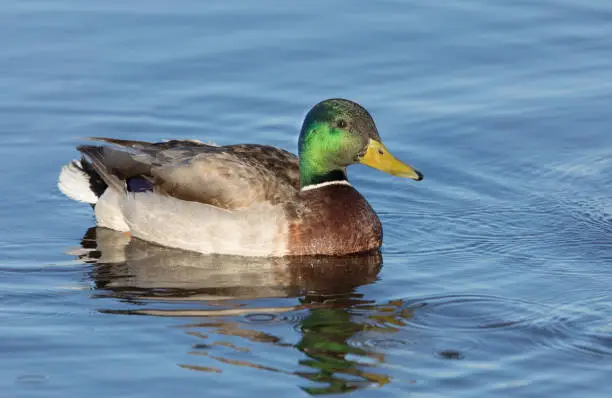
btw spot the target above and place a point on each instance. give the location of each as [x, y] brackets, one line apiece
[227, 176]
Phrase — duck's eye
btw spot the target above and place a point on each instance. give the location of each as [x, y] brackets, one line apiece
[342, 123]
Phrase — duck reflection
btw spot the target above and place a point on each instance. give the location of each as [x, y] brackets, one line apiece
[221, 296]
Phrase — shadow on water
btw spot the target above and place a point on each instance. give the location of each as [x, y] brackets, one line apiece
[219, 293]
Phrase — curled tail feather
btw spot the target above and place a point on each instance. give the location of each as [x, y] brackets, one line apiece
[98, 166]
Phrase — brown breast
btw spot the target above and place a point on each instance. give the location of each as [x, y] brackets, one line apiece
[333, 220]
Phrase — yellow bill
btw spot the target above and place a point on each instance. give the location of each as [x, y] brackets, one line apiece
[379, 157]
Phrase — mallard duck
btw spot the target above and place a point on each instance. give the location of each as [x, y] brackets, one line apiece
[246, 199]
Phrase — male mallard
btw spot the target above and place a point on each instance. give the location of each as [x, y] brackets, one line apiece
[251, 200]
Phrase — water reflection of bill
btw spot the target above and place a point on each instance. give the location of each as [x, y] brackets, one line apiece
[222, 297]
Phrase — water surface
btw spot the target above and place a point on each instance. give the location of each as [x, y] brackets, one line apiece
[494, 277]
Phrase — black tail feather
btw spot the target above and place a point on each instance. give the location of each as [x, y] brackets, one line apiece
[96, 183]
[95, 155]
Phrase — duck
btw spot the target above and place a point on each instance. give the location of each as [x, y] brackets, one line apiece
[242, 199]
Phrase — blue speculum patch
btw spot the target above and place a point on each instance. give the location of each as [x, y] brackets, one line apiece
[138, 184]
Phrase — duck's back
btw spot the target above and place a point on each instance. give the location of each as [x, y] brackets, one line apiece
[229, 177]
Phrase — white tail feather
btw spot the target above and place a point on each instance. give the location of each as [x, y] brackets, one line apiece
[74, 183]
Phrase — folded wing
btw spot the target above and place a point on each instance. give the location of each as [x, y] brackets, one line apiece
[228, 177]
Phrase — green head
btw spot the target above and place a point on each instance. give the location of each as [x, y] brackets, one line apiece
[337, 133]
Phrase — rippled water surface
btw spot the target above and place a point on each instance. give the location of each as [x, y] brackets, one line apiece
[495, 274]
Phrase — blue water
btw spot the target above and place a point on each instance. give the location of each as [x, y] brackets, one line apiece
[495, 274]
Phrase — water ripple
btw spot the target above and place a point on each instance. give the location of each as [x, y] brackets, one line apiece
[461, 323]
[474, 312]
[580, 329]
[260, 318]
